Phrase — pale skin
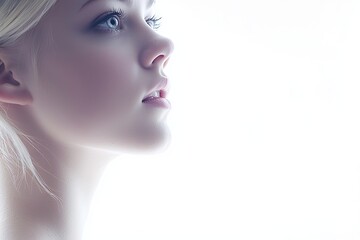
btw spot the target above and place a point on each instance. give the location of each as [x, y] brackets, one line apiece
[84, 108]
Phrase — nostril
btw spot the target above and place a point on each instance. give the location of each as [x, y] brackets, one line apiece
[155, 52]
[158, 59]
[9, 78]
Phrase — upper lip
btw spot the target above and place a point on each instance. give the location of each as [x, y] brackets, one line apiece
[161, 86]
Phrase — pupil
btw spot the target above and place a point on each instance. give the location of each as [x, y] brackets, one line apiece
[113, 21]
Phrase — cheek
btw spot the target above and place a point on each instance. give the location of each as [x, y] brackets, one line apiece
[87, 90]
[102, 79]
[108, 86]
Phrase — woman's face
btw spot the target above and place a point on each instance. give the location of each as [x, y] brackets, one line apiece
[95, 67]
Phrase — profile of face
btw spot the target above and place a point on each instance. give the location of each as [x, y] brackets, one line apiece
[98, 61]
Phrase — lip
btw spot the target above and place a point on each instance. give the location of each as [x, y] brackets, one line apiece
[162, 87]
[158, 102]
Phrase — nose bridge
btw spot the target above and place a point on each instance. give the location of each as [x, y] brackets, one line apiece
[156, 50]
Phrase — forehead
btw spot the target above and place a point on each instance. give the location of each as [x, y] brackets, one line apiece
[149, 3]
[66, 17]
[69, 10]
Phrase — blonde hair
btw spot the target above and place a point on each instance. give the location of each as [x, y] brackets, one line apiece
[18, 17]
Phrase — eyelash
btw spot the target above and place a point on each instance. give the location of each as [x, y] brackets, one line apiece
[154, 20]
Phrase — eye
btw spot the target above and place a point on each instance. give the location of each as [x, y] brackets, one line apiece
[154, 22]
[111, 22]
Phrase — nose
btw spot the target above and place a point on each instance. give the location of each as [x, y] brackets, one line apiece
[156, 52]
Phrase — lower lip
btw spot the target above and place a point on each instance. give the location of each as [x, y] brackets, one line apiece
[158, 102]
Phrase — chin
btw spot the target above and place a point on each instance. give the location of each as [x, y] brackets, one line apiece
[143, 141]
[154, 143]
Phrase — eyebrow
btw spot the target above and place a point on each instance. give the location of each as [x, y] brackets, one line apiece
[128, 2]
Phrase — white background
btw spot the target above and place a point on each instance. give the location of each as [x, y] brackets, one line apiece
[265, 126]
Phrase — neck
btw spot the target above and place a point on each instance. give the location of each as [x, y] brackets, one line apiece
[33, 214]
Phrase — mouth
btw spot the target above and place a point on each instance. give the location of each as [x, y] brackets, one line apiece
[156, 95]
[157, 99]
[160, 91]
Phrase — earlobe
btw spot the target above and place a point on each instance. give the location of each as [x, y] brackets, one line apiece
[11, 90]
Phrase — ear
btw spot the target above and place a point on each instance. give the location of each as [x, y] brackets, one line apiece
[12, 90]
